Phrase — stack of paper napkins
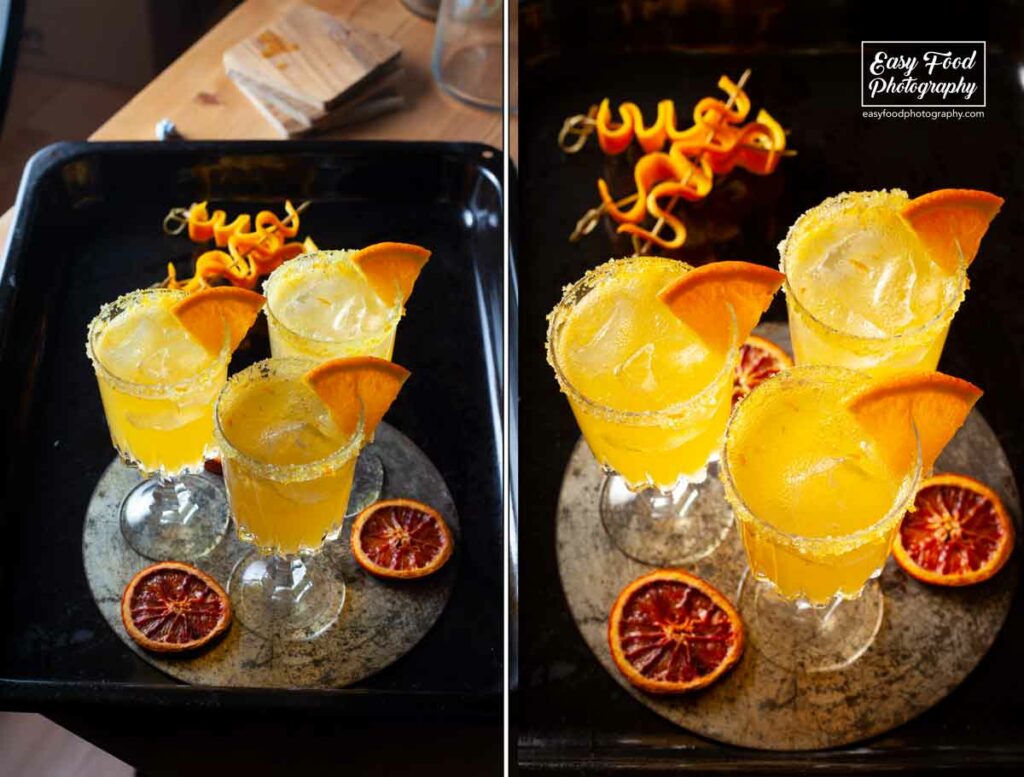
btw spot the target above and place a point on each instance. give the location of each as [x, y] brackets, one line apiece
[310, 70]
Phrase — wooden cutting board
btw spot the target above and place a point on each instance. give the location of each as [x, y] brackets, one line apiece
[312, 61]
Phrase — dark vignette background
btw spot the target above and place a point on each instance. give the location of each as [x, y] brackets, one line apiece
[567, 712]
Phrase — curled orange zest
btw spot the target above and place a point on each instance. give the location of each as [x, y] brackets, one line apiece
[717, 143]
[692, 186]
[709, 114]
[249, 255]
[613, 137]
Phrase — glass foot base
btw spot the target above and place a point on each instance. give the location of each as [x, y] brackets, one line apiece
[810, 639]
[367, 482]
[179, 519]
[671, 528]
[286, 599]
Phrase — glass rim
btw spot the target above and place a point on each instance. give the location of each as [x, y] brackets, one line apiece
[944, 315]
[148, 390]
[635, 416]
[339, 256]
[284, 473]
[835, 543]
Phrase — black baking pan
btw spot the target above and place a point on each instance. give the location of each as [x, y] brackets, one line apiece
[88, 228]
[570, 716]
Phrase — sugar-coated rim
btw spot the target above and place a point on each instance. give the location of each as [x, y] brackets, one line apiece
[919, 332]
[310, 261]
[638, 417]
[111, 311]
[826, 544]
[288, 369]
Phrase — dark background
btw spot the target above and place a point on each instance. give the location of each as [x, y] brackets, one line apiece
[568, 713]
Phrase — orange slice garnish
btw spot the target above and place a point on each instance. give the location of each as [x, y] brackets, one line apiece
[342, 384]
[759, 360]
[401, 539]
[387, 265]
[701, 297]
[206, 312]
[171, 607]
[959, 533]
[672, 632]
[937, 403]
[951, 223]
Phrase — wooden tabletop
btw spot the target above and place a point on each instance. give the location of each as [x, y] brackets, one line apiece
[196, 94]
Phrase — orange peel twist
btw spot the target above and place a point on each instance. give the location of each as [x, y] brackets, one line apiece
[717, 143]
[249, 255]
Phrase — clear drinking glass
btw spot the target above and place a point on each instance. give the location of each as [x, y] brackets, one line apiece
[468, 51]
[657, 503]
[288, 470]
[424, 8]
[158, 387]
[817, 505]
[320, 307]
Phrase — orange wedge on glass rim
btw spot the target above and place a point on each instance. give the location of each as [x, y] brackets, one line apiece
[938, 404]
[951, 223]
[345, 384]
[702, 297]
[387, 265]
[206, 312]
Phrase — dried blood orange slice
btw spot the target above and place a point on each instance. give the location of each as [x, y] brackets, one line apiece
[214, 465]
[759, 360]
[401, 538]
[671, 632]
[387, 265]
[952, 222]
[700, 298]
[206, 312]
[959, 533]
[171, 607]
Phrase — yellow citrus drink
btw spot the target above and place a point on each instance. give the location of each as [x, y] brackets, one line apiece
[157, 383]
[816, 499]
[862, 288]
[288, 466]
[321, 306]
[651, 397]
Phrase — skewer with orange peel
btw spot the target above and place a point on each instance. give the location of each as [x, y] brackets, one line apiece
[249, 255]
[717, 142]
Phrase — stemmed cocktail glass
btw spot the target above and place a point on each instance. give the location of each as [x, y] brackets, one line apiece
[290, 431]
[651, 395]
[288, 469]
[820, 465]
[158, 386]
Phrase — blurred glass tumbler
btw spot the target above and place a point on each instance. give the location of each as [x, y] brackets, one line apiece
[468, 55]
[425, 8]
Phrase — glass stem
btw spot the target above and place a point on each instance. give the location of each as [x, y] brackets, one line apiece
[668, 503]
[287, 579]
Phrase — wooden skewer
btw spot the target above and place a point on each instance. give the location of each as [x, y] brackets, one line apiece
[711, 136]
[590, 219]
